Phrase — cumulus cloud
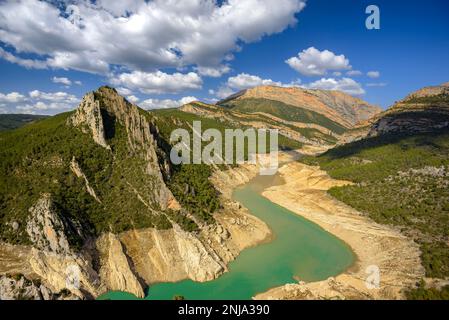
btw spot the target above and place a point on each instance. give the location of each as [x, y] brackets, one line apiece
[313, 62]
[245, 81]
[139, 35]
[165, 103]
[345, 85]
[373, 74]
[158, 82]
[354, 73]
[124, 91]
[62, 80]
[53, 96]
[12, 97]
[27, 63]
[132, 99]
[38, 102]
[43, 107]
[213, 72]
[224, 92]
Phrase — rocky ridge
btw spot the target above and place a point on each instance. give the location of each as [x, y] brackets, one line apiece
[337, 106]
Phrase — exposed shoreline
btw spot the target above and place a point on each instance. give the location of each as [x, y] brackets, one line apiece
[397, 257]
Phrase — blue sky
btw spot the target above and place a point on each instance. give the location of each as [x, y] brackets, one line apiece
[161, 53]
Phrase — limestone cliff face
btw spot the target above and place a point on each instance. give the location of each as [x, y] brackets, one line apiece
[425, 110]
[20, 288]
[337, 106]
[101, 110]
[115, 268]
[88, 117]
[46, 229]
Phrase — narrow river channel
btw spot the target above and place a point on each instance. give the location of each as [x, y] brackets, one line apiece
[300, 250]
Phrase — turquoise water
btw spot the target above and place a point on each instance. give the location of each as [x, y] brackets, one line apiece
[301, 250]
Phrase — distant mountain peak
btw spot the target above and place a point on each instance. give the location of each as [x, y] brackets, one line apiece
[424, 110]
[335, 105]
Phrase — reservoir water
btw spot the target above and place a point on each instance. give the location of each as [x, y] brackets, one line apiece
[300, 250]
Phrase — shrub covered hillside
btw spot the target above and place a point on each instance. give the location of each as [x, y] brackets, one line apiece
[284, 111]
[124, 189]
[400, 180]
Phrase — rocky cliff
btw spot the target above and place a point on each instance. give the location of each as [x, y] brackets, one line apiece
[425, 110]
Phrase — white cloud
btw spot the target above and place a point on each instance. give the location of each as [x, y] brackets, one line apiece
[336, 74]
[12, 97]
[45, 107]
[124, 91]
[158, 82]
[354, 73]
[79, 83]
[224, 92]
[62, 80]
[138, 35]
[53, 96]
[132, 99]
[373, 74]
[27, 63]
[213, 72]
[165, 103]
[38, 102]
[345, 85]
[312, 62]
[245, 81]
[188, 99]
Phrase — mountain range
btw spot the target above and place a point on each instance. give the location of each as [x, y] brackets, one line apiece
[94, 190]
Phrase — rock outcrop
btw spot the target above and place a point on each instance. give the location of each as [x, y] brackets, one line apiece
[88, 117]
[100, 111]
[46, 229]
[337, 106]
[411, 118]
[115, 270]
[20, 288]
[74, 166]
[423, 111]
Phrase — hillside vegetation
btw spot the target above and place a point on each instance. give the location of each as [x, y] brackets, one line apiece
[36, 159]
[283, 111]
[399, 180]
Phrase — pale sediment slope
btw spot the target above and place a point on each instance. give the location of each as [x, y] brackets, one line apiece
[173, 255]
[397, 257]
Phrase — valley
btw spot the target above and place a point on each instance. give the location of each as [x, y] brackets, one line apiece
[93, 190]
